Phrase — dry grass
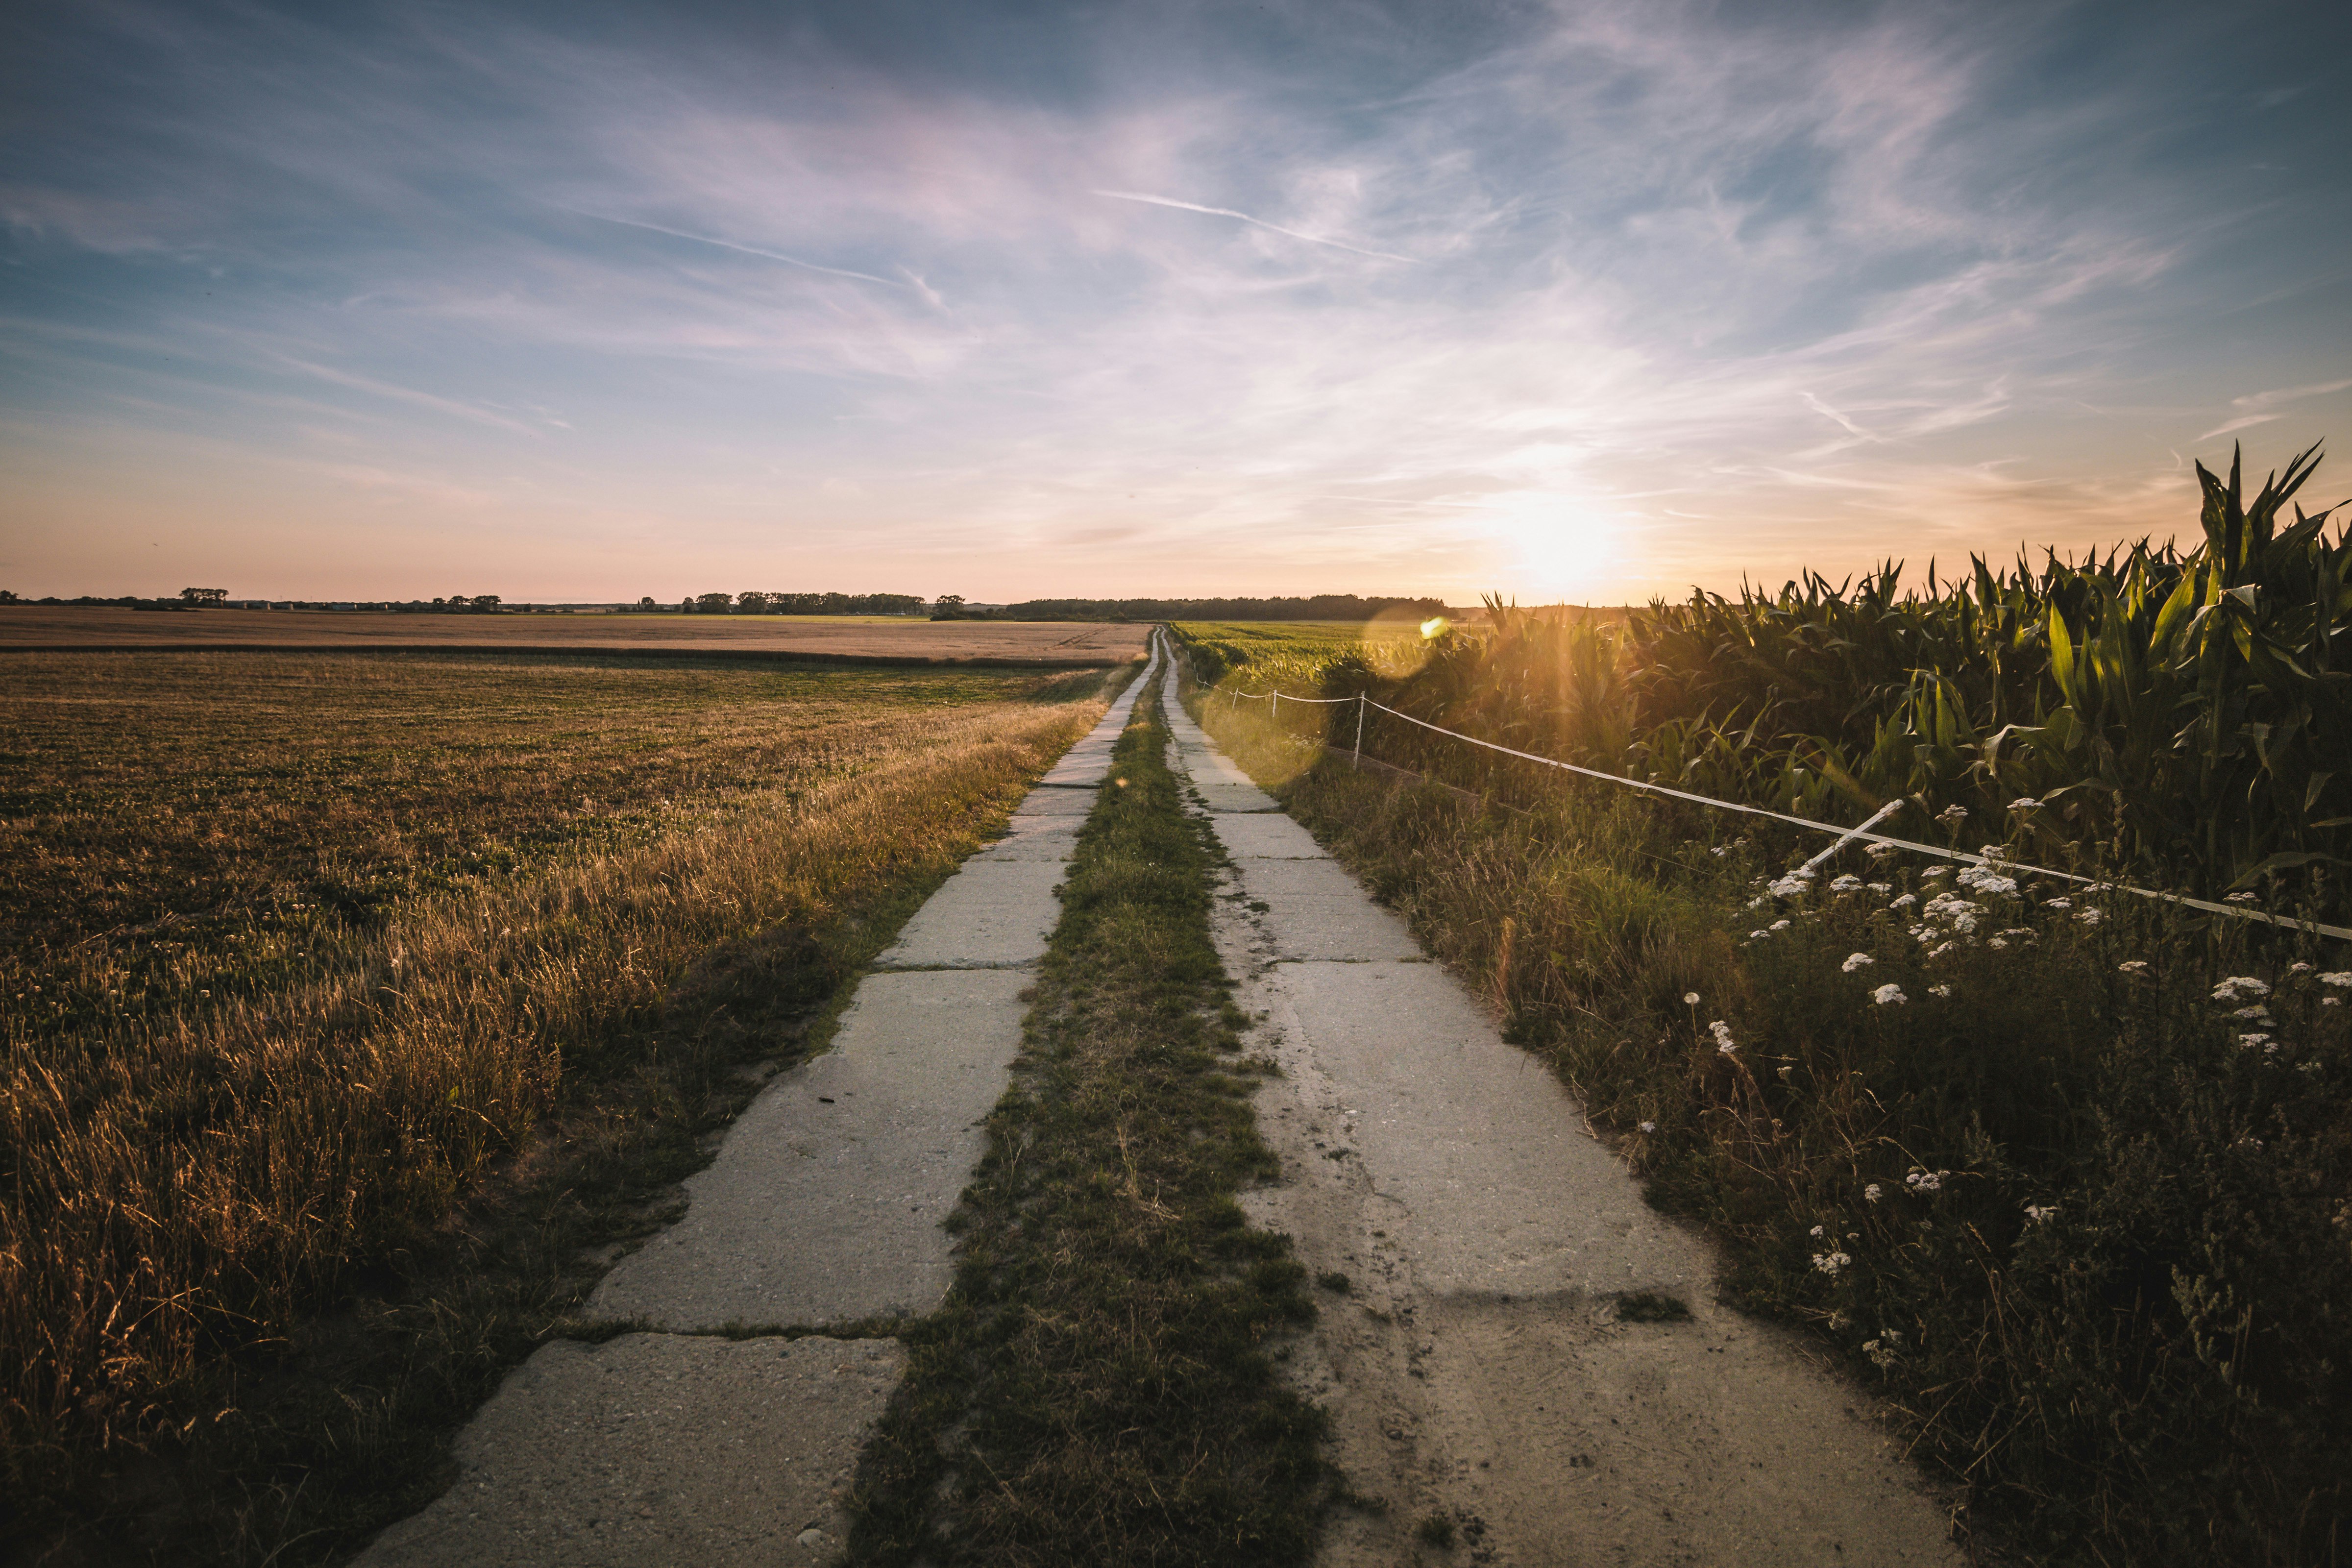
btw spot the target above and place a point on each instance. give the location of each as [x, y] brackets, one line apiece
[210, 1140]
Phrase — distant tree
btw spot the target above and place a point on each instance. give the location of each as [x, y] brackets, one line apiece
[751, 604]
[948, 601]
[202, 596]
[713, 604]
[457, 601]
[486, 604]
[647, 603]
[6, 597]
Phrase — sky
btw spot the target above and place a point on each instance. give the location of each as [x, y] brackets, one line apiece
[1588, 302]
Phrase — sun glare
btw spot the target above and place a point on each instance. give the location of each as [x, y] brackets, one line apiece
[1550, 553]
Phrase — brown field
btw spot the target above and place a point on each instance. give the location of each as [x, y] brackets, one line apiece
[1026, 641]
[295, 948]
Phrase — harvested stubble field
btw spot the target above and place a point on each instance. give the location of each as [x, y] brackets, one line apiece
[2064, 1174]
[301, 951]
[824, 637]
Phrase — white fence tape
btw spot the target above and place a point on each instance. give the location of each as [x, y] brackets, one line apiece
[1845, 835]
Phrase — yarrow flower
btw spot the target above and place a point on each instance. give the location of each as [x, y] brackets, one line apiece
[2239, 986]
[1854, 962]
[2338, 978]
[1954, 815]
[1724, 1044]
[2242, 898]
[2133, 966]
[1649, 1127]
[1904, 901]
[1922, 1180]
[2025, 803]
[1792, 886]
[1846, 884]
[2036, 1213]
[1886, 994]
[1871, 1193]
[1880, 887]
[1778, 925]
[1831, 1262]
[2057, 903]
[1939, 991]
[2090, 917]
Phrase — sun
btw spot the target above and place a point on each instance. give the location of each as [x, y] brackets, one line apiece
[1553, 553]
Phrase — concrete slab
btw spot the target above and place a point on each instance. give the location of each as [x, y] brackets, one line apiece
[1258, 836]
[704, 1453]
[1313, 910]
[1481, 1153]
[992, 915]
[1074, 803]
[826, 1200]
[1054, 838]
[1236, 798]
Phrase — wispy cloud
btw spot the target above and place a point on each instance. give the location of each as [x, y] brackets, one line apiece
[1257, 222]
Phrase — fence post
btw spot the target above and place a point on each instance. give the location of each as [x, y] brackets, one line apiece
[1357, 764]
[1277, 705]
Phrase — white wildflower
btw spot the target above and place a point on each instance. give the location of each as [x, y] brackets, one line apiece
[1903, 901]
[1790, 887]
[2298, 967]
[1940, 951]
[1816, 1233]
[1954, 813]
[2336, 977]
[2238, 986]
[2090, 917]
[1871, 1193]
[1831, 1262]
[1845, 884]
[2248, 1042]
[1922, 1180]
[1855, 961]
[1758, 902]
[2256, 1013]
[1649, 1127]
[2133, 966]
[2331, 1001]
[1886, 994]
[1758, 935]
[1997, 942]
[2036, 1213]
[1880, 887]
[2058, 903]
[1690, 998]
[1778, 925]
[1724, 1044]
[2242, 898]
[1934, 871]
[2025, 803]
[1939, 991]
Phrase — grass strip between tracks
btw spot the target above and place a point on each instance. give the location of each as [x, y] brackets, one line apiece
[1100, 1386]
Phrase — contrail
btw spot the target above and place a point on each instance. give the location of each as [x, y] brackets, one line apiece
[745, 249]
[1228, 212]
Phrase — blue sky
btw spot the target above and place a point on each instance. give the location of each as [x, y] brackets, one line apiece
[1592, 301]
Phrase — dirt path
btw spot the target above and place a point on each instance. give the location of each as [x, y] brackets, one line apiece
[1481, 1376]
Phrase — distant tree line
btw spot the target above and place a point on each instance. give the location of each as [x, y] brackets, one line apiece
[1315, 607]
[759, 603]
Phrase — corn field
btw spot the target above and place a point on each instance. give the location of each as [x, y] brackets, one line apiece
[2186, 715]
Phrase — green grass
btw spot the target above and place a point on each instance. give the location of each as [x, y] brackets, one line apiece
[293, 1179]
[1101, 1386]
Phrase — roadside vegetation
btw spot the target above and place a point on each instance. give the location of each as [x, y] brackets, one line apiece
[347, 1000]
[1100, 1386]
[2067, 1173]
